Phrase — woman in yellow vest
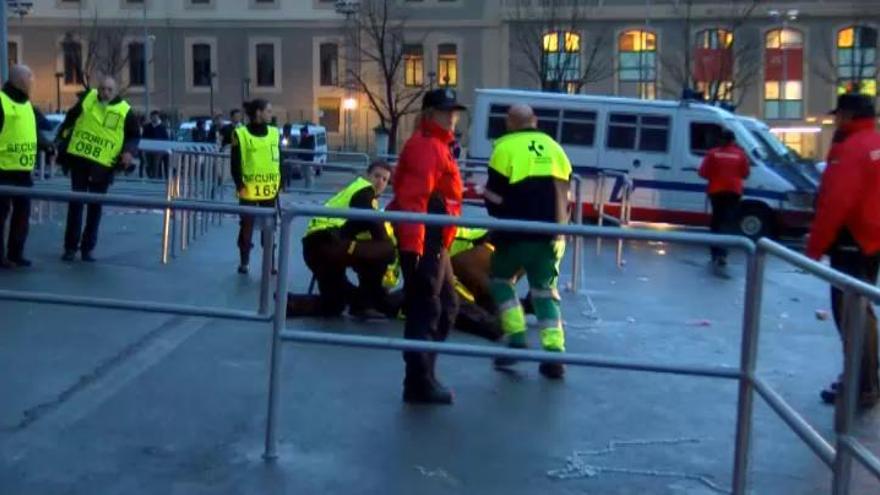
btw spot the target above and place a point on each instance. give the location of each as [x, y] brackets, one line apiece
[332, 245]
[255, 163]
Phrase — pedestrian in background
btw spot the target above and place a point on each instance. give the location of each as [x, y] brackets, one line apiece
[847, 227]
[229, 129]
[427, 180]
[255, 168]
[725, 167]
[99, 135]
[529, 176]
[200, 131]
[19, 142]
[155, 130]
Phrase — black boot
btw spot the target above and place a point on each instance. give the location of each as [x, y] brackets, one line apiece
[421, 387]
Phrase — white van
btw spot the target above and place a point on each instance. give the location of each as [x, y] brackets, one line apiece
[659, 145]
[290, 139]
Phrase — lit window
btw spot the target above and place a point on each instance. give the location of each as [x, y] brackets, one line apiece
[447, 65]
[561, 61]
[783, 74]
[637, 63]
[413, 65]
[857, 60]
[713, 64]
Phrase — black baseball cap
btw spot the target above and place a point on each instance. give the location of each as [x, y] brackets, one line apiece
[441, 99]
[857, 104]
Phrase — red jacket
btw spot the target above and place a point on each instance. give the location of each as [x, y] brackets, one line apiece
[725, 167]
[849, 196]
[426, 169]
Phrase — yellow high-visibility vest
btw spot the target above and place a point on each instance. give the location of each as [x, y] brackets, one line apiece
[260, 164]
[99, 132]
[527, 154]
[342, 199]
[18, 138]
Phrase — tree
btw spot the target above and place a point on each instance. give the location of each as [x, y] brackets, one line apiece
[557, 55]
[720, 61]
[378, 62]
[104, 44]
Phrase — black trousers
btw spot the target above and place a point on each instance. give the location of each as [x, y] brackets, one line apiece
[20, 209]
[431, 308]
[850, 260]
[327, 255]
[85, 179]
[246, 228]
[725, 208]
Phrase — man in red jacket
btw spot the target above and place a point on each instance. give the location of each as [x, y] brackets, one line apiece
[427, 180]
[725, 167]
[847, 225]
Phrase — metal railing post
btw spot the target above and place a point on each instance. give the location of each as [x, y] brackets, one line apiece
[578, 240]
[855, 307]
[278, 325]
[267, 241]
[748, 357]
[183, 179]
[166, 220]
[599, 201]
[623, 217]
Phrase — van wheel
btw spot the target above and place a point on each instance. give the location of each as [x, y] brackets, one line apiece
[755, 221]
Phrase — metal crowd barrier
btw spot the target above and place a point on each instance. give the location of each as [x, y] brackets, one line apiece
[839, 458]
[625, 210]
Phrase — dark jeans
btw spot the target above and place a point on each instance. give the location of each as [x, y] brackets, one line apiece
[20, 207]
[431, 307]
[246, 229]
[852, 261]
[95, 179]
[327, 255]
[725, 208]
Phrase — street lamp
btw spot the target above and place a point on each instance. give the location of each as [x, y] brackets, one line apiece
[349, 105]
[58, 77]
[245, 88]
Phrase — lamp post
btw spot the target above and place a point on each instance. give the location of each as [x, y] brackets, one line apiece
[211, 87]
[147, 54]
[432, 80]
[245, 88]
[349, 105]
[58, 77]
[350, 9]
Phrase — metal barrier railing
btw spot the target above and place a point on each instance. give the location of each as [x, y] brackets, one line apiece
[625, 210]
[857, 294]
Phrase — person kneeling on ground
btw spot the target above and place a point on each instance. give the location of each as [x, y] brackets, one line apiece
[332, 245]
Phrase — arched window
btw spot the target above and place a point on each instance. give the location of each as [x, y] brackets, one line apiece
[637, 63]
[713, 64]
[561, 61]
[784, 74]
[857, 60]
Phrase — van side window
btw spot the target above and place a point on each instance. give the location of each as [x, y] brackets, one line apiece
[548, 121]
[497, 117]
[704, 136]
[654, 133]
[641, 132]
[622, 131]
[578, 128]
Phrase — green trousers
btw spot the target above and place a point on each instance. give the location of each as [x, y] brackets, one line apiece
[540, 261]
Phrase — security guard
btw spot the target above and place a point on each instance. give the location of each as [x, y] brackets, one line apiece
[99, 134]
[471, 256]
[529, 176]
[19, 138]
[332, 245]
[255, 169]
[847, 226]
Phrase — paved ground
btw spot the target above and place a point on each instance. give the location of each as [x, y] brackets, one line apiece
[107, 402]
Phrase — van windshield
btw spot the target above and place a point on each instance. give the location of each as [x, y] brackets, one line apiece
[775, 146]
[745, 138]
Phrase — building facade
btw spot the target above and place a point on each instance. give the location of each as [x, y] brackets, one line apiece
[782, 61]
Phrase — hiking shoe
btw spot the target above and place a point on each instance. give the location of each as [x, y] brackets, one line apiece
[553, 371]
[506, 362]
[68, 256]
[431, 393]
[87, 257]
[20, 262]
[243, 269]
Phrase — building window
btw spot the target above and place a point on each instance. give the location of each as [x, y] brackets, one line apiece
[447, 65]
[637, 63]
[561, 61]
[329, 56]
[201, 65]
[12, 53]
[857, 60]
[329, 112]
[265, 58]
[136, 57]
[713, 64]
[72, 67]
[783, 74]
[413, 65]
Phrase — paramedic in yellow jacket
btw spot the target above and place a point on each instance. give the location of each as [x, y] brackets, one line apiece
[255, 167]
[332, 245]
